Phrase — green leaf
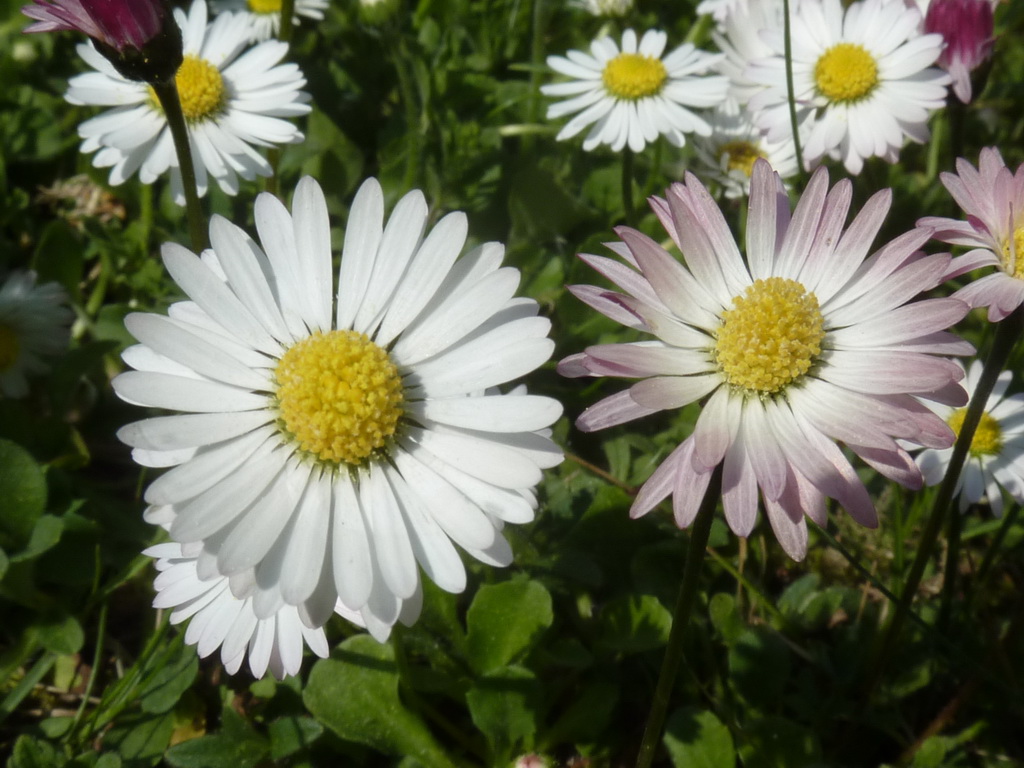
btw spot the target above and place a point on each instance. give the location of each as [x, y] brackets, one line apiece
[45, 535]
[725, 617]
[30, 752]
[23, 490]
[503, 706]
[162, 691]
[759, 663]
[140, 736]
[58, 256]
[62, 635]
[4, 562]
[587, 717]
[696, 738]
[777, 742]
[236, 746]
[504, 621]
[291, 734]
[634, 624]
[355, 694]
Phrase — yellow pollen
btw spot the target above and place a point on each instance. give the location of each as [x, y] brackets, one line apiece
[771, 337]
[741, 154]
[9, 347]
[339, 396]
[846, 72]
[265, 6]
[1013, 259]
[988, 437]
[200, 88]
[633, 76]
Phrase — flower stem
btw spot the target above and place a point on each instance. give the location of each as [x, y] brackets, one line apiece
[699, 535]
[167, 93]
[627, 186]
[1007, 334]
[790, 90]
[284, 34]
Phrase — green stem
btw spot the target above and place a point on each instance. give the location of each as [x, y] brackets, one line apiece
[1007, 333]
[101, 637]
[538, 52]
[167, 93]
[627, 186]
[993, 549]
[790, 90]
[412, 112]
[284, 34]
[700, 532]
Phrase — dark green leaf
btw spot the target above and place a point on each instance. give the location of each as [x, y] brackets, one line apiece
[23, 490]
[504, 621]
[289, 735]
[503, 706]
[634, 624]
[696, 738]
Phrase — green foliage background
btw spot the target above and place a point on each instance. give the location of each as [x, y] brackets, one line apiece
[558, 654]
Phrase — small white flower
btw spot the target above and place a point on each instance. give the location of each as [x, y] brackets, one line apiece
[633, 95]
[996, 457]
[862, 78]
[328, 449]
[265, 15]
[33, 326]
[233, 102]
[606, 7]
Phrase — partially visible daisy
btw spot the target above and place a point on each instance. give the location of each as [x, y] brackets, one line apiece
[613, 8]
[633, 95]
[967, 27]
[738, 37]
[34, 322]
[265, 15]
[233, 102]
[862, 76]
[993, 200]
[804, 342]
[221, 620]
[996, 457]
[720, 10]
[735, 143]
[330, 450]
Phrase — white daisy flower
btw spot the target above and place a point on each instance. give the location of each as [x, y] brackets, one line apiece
[324, 451]
[727, 156]
[34, 322]
[605, 7]
[996, 457]
[633, 95]
[265, 15]
[861, 75]
[720, 10]
[221, 620]
[738, 37]
[233, 102]
[805, 342]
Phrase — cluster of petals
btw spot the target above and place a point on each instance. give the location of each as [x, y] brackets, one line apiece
[289, 533]
[34, 322]
[992, 198]
[117, 23]
[967, 26]
[904, 88]
[260, 95]
[879, 353]
[264, 25]
[986, 470]
[619, 122]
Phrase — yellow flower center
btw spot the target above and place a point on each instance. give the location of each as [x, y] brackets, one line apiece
[265, 6]
[200, 88]
[988, 437]
[771, 337]
[9, 347]
[1013, 258]
[633, 76]
[741, 156]
[339, 395]
[846, 72]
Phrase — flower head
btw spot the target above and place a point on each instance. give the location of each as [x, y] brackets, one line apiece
[863, 93]
[34, 322]
[324, 450]
[633, 95]
[996, 456]
[993, 200]
[615, 8]
[966, 26]
[231, 101]
[804, 343]
[136, 36]
[265, 15]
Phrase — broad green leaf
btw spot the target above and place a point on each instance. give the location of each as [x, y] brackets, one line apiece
[61, 635]
[30, 752]
[777, 742]
[355, 694]
[23, 490]
[634, 624]
[759, 663]
[504, 622]
[45, 534]
[162, 691]
[503, 705]
[58, 256]
[696, 738]
[586, 717]
[291, 734]
[140, 736]
[237, 745]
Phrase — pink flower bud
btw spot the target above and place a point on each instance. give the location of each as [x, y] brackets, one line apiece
[138, 37]
[966, 26]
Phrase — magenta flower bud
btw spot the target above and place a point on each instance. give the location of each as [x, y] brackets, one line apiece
[966, 26]
[139, 37]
